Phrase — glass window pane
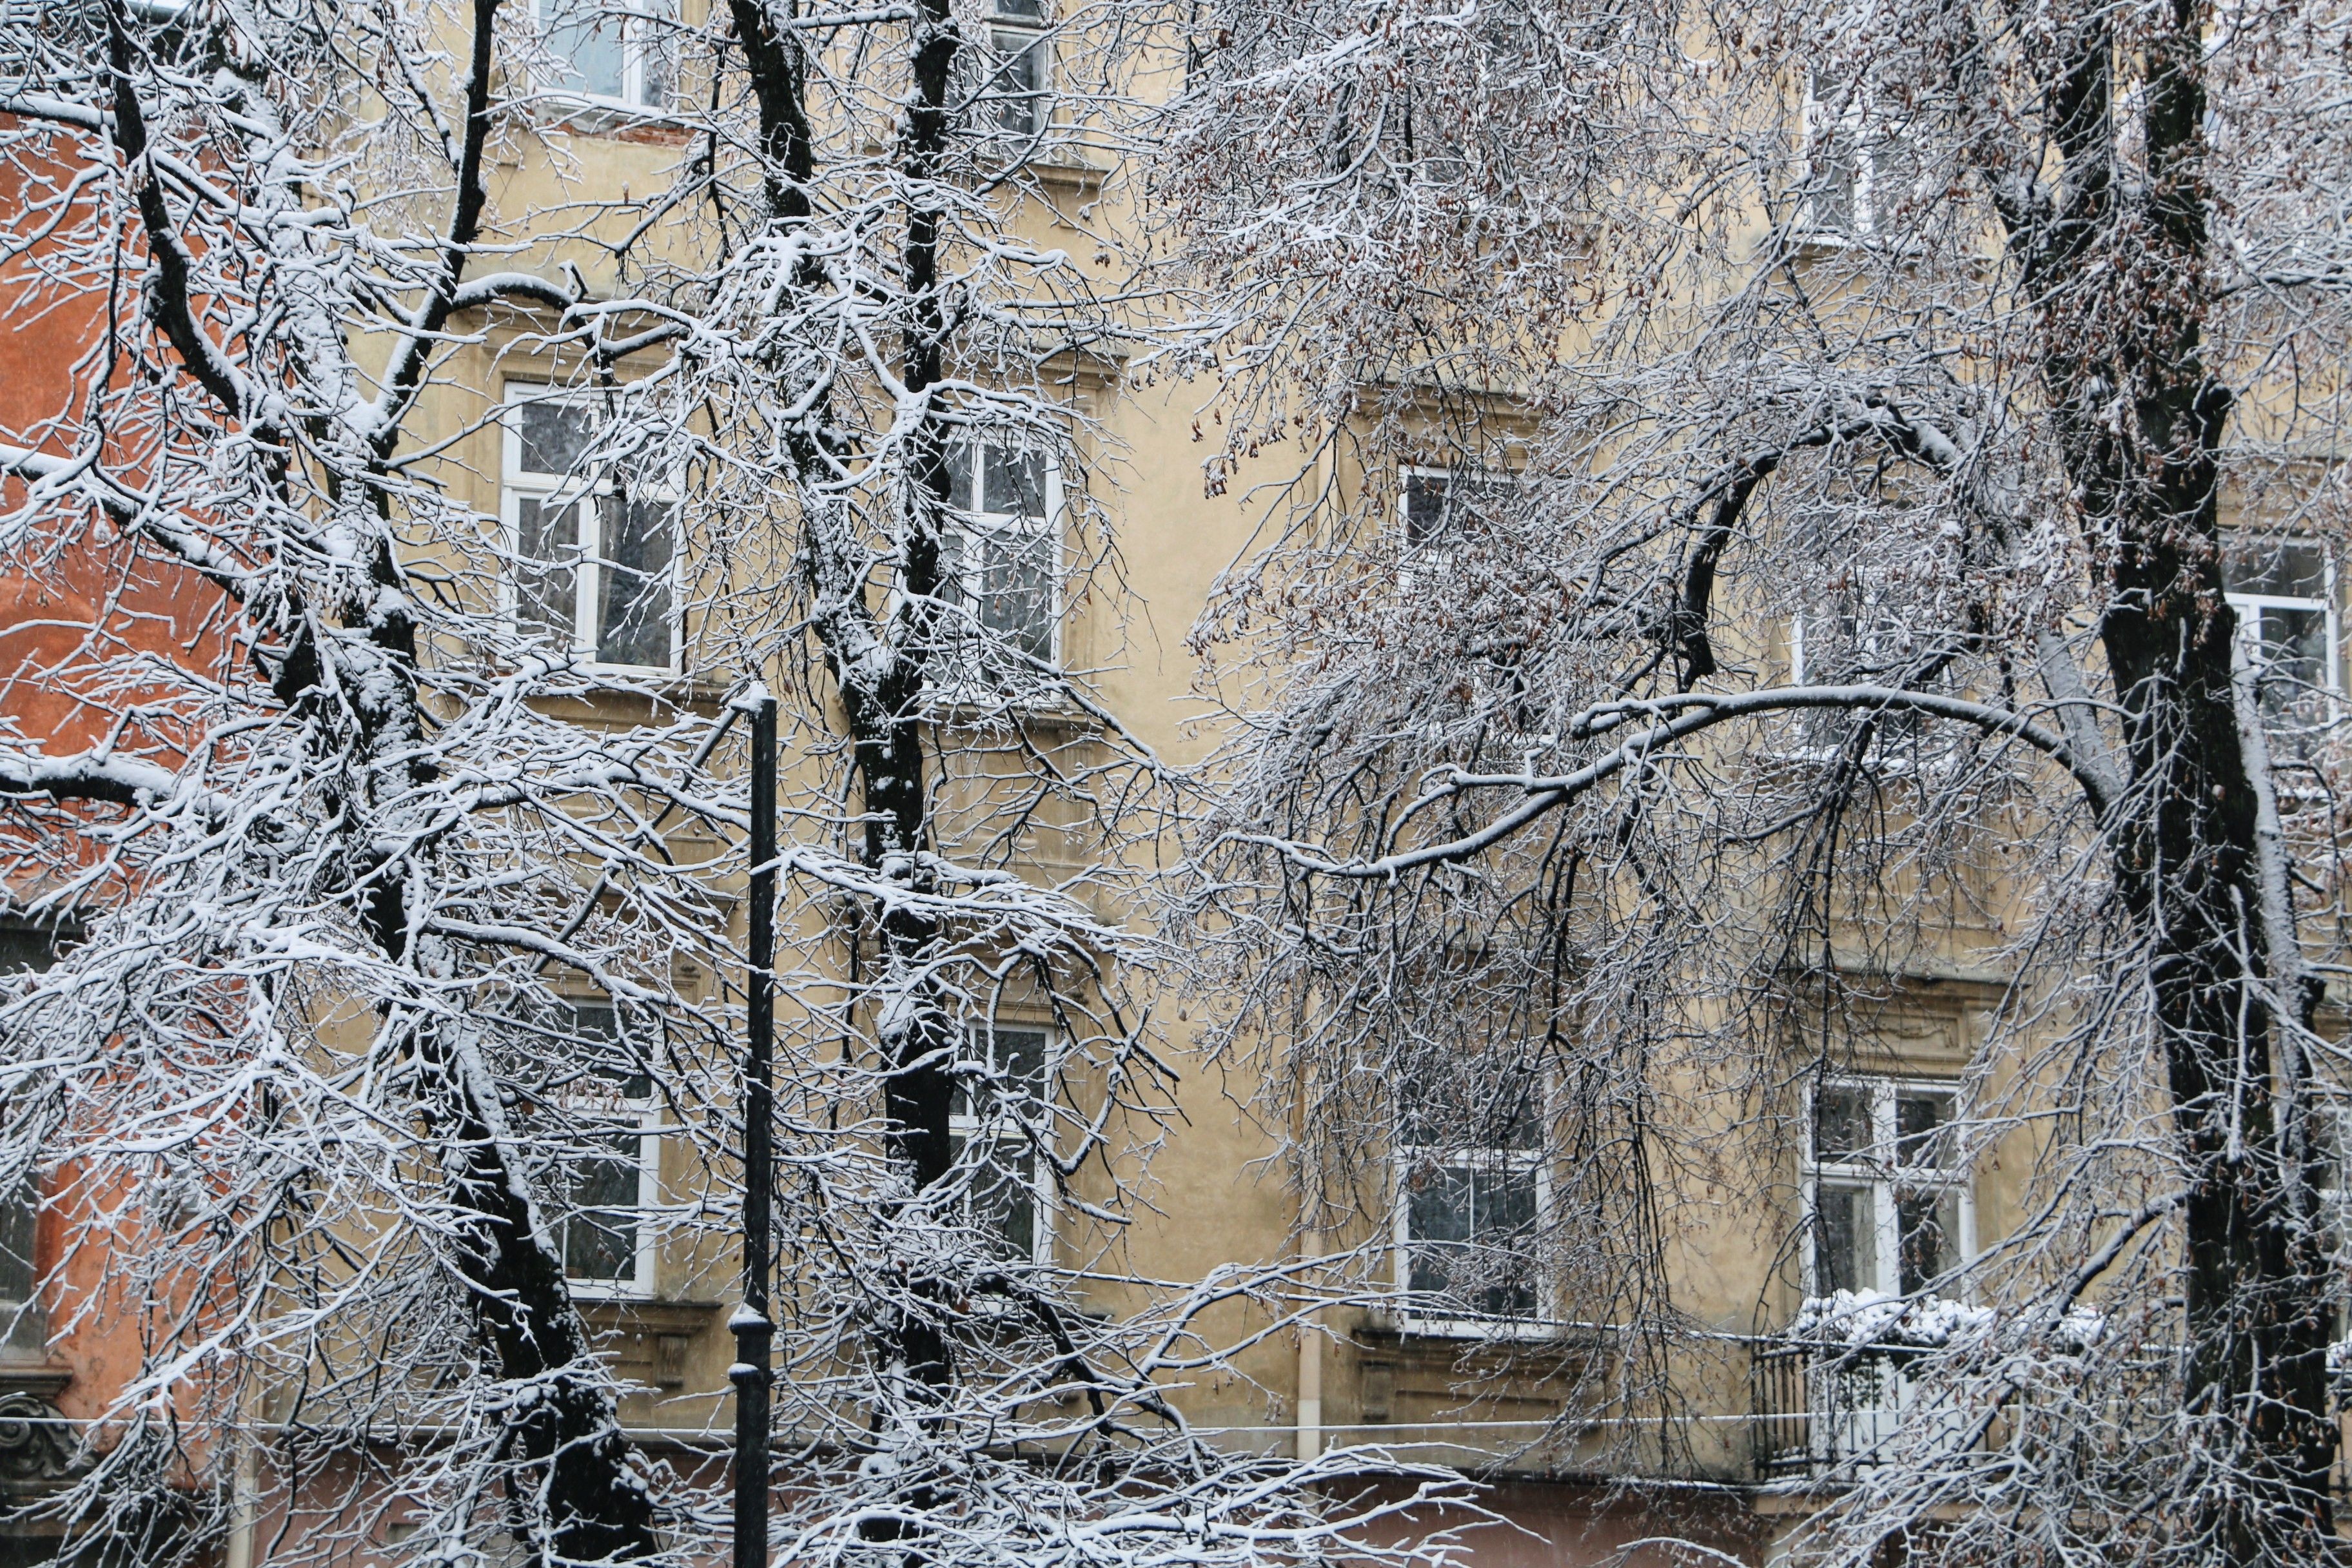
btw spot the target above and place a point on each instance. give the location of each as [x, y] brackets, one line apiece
[1016, 1061]
[1836, 183]
[1919, 1119]
[2288, 569]
[588, 42]
[633, 613]
[1018, 88]
[1894, 175]
[19, 1212]
[1437, 1223]
[1001, 1201]
[1845, 1239]
[553, 434]
[547, 576]
[1842, 1127]
[1927, 1235]
[1021, 10]
[959, 494]
[2291, 654]
[1425, 516]
[651, 43]
[1015, 484]
[1503, 1214]
[599, 1239]
[1016, 591]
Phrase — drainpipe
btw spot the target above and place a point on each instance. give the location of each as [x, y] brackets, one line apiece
[1308, 1444]
[244, 1482]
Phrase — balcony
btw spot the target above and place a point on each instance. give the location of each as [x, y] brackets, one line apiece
[1822, 1409]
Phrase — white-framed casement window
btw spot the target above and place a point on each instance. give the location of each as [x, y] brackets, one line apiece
[23, 947]
[1887, 1206]
[1001, 564]
[612, 1171]
[593, 550]
[1468, 1214]
[1861, 163]
[608, 51]
[1015, 96]
[1436, 507]
[1003, 1199]
[2285, 593]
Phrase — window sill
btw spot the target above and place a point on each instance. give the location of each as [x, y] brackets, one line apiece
[1395, 1330]
[643, 1315]
[607, 118]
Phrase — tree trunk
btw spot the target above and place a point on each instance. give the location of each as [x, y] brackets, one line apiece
[2133, 279]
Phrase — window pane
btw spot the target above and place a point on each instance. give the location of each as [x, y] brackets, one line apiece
[1470, 1233]
[1842, 1123]
[1846, 1240]
[1437, 1221]
[600, 1240]
[1015, 484]
[24, 946]
[959, 494]
[553, 436]
[1000, 1202]
[1894, 176]
[1021, 10]
[633, 616]
[1919, 1118]
[1016, 591]
[2291, 654]
[1927, 1231]
[1836, 183]
[18, 1212]
[1425, 518]
[1018, 85]
[1017, 1061]
[651, 45]
[1503, 1215]
[589, 44]
[547, 576]
[2289, 569]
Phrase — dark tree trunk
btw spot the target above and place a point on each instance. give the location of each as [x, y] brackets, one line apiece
[883, 716]
[2129, 276]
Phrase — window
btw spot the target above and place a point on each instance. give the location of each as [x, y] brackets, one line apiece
[606, 52]
[1001, 564]
[1014, 100]
[1472, 1194]
[593, 563]
[1005, 1201]
[1861, 163]
[613, 1170]
[19, 1214]
[2285, 593]
[1436, 506]
[25, 947]
[1886, 1197]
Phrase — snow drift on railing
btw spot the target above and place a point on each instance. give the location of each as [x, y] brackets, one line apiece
[1859, 1317]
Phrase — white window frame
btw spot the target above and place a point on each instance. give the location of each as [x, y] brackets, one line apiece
[1884, 1180]
[583, 491]
[1420, 564]
[1412, 1158]
[640, 29]
[1860, 128]
[965, 1126]
[2249, 633]
[1009, 35]
[643, 1114]
[955, 676]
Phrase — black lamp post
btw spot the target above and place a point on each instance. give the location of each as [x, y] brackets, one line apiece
[754, 1332]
